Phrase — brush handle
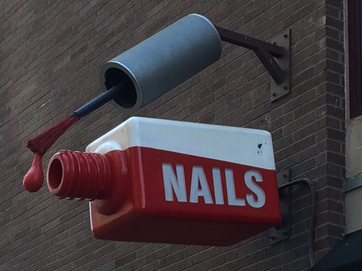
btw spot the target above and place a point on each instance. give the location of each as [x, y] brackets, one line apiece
[99, 101]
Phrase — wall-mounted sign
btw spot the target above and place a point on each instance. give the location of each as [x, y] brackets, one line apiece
[173, 182]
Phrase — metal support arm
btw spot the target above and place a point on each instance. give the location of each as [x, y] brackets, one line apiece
[275, 58]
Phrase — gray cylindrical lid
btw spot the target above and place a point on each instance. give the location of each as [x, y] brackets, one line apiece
[163, 61]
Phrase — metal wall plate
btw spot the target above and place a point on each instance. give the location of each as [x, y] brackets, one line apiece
[279, 90]
[281, 232]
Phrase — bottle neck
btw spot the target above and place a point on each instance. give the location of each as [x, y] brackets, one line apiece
[81, 175]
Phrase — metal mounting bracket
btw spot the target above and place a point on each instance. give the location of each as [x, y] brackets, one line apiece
[275, 57]
[281, 231]
[279, 90]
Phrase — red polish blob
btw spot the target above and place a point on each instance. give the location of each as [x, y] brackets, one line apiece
[33, 180]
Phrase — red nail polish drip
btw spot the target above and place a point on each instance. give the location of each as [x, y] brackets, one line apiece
[33, 180]
[39, 144]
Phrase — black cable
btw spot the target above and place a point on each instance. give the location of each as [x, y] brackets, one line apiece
[311, 185]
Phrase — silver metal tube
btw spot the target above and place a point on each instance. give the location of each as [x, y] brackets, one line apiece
[163, 61]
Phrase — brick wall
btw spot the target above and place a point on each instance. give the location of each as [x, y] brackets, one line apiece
[50, 56]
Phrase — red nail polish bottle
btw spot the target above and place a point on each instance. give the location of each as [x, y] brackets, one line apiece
[152, 180]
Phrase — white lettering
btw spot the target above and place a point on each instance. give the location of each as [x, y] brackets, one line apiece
[198, 179]
[216, 177]
[230, 188]
[249, 178]
[171, 183]
[174, 184]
